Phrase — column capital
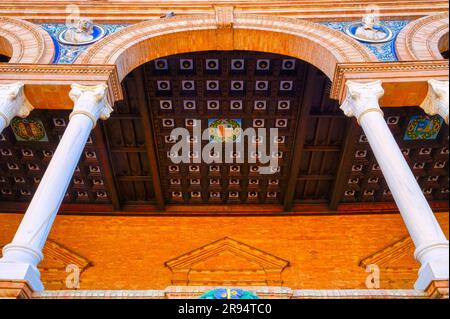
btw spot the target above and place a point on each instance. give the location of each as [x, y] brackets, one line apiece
[437, 100]
[13, 101]
[90, 101]
[362, 98]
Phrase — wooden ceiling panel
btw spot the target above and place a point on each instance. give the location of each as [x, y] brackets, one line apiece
[27, 147]
[425, 149]
[213, 77]
[325, 158]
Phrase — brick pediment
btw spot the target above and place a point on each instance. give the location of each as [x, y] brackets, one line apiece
[57, 258]
[227, 262]
[392, 255]
[396, 264]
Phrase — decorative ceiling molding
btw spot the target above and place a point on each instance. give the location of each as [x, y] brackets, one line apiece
[193, 268]
[48, 86]
[410, 78]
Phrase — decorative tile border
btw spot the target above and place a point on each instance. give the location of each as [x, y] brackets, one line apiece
[359, 293]
[67, 54]
[186, 292]
[383, 51]
[101, 294]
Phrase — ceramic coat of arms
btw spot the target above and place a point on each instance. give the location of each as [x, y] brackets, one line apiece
[29, 129]
[423, 128]
[224, 130]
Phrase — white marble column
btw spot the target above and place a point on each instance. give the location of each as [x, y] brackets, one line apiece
[12, 103]
[436, 101]
[432, 247]
[24, 253]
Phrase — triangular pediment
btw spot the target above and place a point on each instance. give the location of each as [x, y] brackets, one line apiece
[227, 262]
[396, 255]
[53, 267]
[231, 247]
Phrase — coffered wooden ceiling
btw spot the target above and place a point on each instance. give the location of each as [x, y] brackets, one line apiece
[324, 157]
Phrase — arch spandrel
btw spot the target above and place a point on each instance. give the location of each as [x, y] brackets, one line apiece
[146, 41]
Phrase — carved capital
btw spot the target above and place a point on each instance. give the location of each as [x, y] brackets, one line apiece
[362, 98]
[436, 101]
[13, 102]
[90, 101]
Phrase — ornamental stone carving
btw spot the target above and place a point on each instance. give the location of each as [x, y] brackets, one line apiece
[437, 100]
[91, 101]
[13, 102]
[362, 98]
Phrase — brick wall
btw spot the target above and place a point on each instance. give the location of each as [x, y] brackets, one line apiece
[324, 251]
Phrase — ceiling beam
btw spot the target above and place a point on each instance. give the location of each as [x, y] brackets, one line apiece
[322, 148]
[104, 158]
[150, 145]
[316, 178]
[135, 178]
[126, 149]
[300, 135]
[345, 163]
[149, 209]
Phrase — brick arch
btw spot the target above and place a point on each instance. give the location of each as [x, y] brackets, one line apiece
[424, 38]
[25, 42]
[146, 41]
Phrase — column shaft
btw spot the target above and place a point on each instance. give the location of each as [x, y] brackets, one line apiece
[3, 124]
[35, 225]
[412, 204]
[432, 247]
[23, 254]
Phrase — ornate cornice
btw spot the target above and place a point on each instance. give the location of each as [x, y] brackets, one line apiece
[403, 74]
[142, 10]
[47, 86]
